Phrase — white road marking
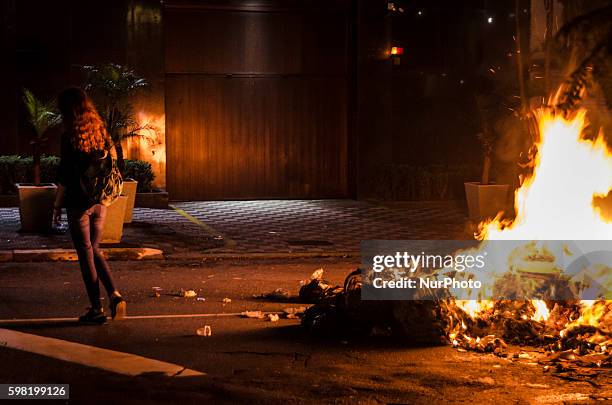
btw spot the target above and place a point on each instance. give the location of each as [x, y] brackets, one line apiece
[170, 316]
[91, 356]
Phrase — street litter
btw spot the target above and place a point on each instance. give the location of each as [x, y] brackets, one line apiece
[486, 380]
[317, 289]
[156, 292]
[205, 331]
[227, 300]
[201, 299]
[293, 312]
[543, 386]
[273, 317]
[278, 294]
[189, 294]
[253, 314]
[571, 341]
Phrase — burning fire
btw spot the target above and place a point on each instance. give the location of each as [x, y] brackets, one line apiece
[554, 203]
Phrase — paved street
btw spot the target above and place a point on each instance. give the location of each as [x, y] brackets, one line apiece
[248, 360]
[272, 226]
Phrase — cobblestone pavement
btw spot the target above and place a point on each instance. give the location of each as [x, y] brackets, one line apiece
[326, 225]
[154, 228]
[272, 226]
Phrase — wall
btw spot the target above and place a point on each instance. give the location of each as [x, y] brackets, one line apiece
[46, 42]
[416, 116]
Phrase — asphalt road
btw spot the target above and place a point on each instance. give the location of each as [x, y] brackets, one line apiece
[245, 360]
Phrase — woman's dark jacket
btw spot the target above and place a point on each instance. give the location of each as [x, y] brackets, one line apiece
[73, 164]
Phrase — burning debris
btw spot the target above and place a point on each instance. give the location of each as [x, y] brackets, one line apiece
[572, 338]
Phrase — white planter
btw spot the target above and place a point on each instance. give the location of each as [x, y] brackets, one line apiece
[113, 224]
[486, 201]
[36, 206]
[129, 190]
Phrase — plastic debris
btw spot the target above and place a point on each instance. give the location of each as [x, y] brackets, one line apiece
[273, 317]
[189, 293]
[253, 314]
[156, 292]
[201, 299]
[486, 381]
[317, 289]
[294, 312]
[227, 300]
[317, 274]
[205, 331]
[278, 294]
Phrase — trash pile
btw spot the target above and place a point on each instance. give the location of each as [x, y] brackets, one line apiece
[573, 340]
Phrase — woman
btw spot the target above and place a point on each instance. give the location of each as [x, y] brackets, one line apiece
[85, 139]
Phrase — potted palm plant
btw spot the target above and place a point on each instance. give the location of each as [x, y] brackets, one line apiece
[485, 199]
[113, 87]
[36, 199]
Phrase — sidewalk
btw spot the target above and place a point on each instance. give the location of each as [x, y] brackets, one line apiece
[151, 228]
[270, 226]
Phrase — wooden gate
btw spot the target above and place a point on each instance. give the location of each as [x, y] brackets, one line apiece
[256, 100]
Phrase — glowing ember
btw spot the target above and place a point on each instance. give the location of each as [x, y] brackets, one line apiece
[541, 311]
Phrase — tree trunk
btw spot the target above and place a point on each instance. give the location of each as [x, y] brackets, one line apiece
[36, 163]
[120, 159]
[486, 169]
[519, 58]
[549, 5]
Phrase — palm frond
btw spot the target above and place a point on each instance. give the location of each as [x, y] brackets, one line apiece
[587, 22]
[115, 81]
[41, 115]
[574, 88]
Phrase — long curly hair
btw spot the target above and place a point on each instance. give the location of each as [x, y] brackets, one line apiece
[85, 128]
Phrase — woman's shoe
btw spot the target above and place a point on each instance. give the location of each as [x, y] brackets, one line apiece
[118, 308]
[93, 316]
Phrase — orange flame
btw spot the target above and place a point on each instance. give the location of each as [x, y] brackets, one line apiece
[554, 203]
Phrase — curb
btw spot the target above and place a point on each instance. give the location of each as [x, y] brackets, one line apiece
[69, 255]
[127, 254]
